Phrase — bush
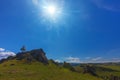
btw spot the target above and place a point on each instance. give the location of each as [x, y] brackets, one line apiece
[68, 66]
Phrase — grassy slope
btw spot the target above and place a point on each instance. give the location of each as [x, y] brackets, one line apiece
[116, 71]
[103, 70]
[38, 71]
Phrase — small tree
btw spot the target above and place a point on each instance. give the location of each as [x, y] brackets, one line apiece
[23, 49]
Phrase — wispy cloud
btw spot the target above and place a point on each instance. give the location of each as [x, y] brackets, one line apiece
[105, 4]
[35, 2]
[101, 60]
[91, 60]
[114, 51]
[88, 58]
[73, 60]
[116, 59]
[97, 58]
[4, 54]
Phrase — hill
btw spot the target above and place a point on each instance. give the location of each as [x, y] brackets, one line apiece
[29, 56]
[34, 65]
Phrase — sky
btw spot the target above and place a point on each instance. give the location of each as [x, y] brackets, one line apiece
[72, 30]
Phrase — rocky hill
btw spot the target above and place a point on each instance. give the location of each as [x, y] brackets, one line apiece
[29, 56]
[31, 65]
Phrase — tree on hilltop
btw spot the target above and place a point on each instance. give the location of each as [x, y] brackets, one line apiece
[23, 49]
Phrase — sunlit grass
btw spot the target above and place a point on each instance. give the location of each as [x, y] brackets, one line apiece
[16, 70]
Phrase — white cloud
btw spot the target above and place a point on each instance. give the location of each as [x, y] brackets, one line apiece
[4, 54]
[2, 49]
[73, 60]
[58, 61]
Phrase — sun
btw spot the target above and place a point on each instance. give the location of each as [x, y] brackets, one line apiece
[51, 10]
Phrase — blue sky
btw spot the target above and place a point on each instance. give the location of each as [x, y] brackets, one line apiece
[85, 30]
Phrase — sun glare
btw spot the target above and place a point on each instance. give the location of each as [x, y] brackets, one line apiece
[51, 10]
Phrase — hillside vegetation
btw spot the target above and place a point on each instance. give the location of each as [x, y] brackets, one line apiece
[19, 70]
[34, 65]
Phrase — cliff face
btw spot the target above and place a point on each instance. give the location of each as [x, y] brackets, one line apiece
[37, 55]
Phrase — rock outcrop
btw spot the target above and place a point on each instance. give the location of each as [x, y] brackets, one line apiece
[37, 54]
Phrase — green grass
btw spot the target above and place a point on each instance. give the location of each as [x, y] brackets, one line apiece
[39, 71]
[102, 71]
[115, 72]
[114, 67]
